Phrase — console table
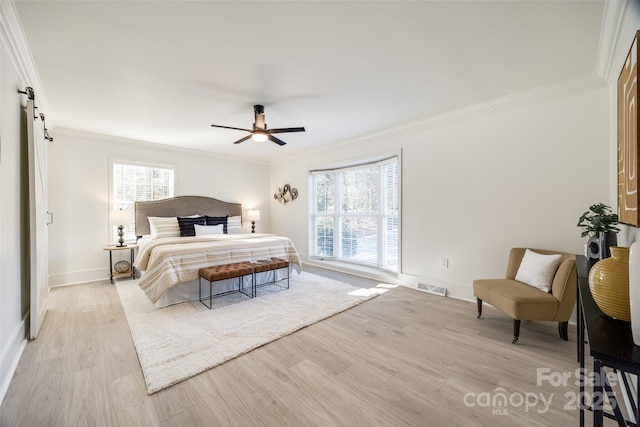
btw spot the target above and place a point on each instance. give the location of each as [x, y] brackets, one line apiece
[610, 345]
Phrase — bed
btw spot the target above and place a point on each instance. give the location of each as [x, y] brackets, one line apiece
[168, 263]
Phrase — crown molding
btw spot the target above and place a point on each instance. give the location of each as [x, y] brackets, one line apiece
[614, 17]
[560, 89]
[98, 137]
[13, 37]
[567, 87]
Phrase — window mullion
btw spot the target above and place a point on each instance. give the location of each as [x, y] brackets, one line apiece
[380, 216]
[337, 215]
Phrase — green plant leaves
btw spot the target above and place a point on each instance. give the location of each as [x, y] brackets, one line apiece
[599, 218]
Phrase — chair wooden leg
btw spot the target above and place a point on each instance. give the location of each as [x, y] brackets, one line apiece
[563, 330]
[516, 331]
[479, 307]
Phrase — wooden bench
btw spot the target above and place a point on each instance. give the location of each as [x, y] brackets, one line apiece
[222, 272]
[262, 266]
[239, 270]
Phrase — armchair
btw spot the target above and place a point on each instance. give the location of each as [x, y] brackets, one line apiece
[524, 302]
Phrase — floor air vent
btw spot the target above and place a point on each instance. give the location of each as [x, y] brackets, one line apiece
[432, 289]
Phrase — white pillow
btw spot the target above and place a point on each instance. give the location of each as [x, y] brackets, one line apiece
[164, 227]
[208, 230]
[234, 225]
[538, 270]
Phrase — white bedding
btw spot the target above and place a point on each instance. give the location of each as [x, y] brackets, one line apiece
[168, 262]
[142, 242]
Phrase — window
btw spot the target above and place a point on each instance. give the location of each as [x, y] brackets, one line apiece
[354, 214]
[135, 182]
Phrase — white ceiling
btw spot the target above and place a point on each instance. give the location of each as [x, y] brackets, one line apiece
[164, 71]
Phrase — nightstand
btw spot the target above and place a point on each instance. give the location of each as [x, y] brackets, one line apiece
[120, 271]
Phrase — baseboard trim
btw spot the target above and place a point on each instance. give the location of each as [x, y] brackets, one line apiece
[11, 357]
[366, 272]
[454, 290]
[78, 277]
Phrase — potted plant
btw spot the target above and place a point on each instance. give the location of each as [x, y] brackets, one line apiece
[599, 223]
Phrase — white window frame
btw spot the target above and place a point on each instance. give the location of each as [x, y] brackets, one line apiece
[337, 216]
[113, 203]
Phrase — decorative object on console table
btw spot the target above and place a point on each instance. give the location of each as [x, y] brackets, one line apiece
[628, 195]
[609, 284]
[286, 194]
[599, 223]
[121, 217]
[253, 215]
[634, 290]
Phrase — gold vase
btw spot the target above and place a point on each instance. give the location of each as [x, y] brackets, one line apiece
[609, 284]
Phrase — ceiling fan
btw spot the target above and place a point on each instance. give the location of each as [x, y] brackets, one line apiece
[260, 132]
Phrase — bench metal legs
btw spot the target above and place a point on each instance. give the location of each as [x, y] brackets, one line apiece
[240, 270]
[211, 295]
[275, 279]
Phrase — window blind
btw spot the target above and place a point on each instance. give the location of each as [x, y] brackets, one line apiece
[354, 214]
[138, 182]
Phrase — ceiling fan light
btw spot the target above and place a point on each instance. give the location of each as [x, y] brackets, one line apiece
[259, 136]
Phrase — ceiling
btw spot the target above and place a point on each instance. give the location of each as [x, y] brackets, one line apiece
[164, 71]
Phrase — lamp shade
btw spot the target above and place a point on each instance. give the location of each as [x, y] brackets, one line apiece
[253, 215]
[120, 217]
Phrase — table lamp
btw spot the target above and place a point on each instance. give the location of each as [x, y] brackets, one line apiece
[121, 217]
[253, 215]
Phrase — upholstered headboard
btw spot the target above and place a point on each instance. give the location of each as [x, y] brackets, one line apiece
[181, 206]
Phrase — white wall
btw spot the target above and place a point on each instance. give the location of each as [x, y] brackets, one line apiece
[14, 275]
[79, 165]
[473, 188]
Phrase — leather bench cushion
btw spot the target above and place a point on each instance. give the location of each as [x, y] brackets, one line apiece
[227, 271]
[244, 268]
[268, 265]
[262, 266]
[520, 301]
[280, 263]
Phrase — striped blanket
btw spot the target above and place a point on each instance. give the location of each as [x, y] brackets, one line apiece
[172, 260]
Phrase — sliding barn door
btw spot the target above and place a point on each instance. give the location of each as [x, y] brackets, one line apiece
[38, 220]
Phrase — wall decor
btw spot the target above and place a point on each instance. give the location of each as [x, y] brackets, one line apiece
[628, 195]
[286, 194]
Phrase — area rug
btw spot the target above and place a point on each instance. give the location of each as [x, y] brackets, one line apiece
[177, 342]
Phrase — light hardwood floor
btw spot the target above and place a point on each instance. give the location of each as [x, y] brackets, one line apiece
[403, 358]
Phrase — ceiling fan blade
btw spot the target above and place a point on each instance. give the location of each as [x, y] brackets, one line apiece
[260, 129]
[284, 130]
[276, 140]
[242, 139]
[229, 127]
